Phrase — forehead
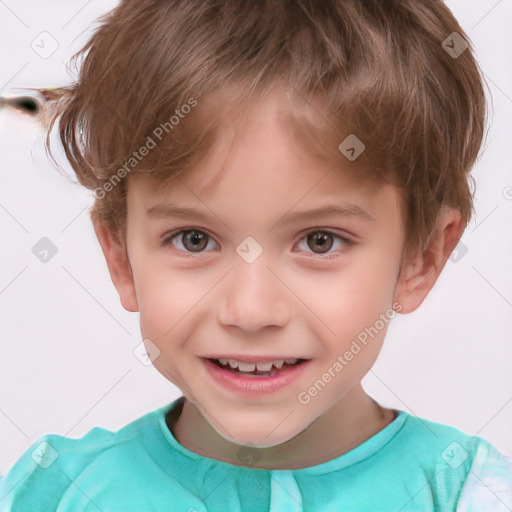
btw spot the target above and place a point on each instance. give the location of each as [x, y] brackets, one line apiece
[260, 159]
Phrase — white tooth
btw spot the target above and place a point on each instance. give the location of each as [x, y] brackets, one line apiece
[250, 367]
[246, 367]
[264, 367]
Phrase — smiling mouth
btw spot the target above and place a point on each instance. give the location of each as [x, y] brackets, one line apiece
[268, 369]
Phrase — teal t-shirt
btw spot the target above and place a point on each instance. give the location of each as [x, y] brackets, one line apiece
[411, 465]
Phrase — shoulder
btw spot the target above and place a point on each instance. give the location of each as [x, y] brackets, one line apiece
[441, 442]
[489, 483]
[467, 468]
[49, 468]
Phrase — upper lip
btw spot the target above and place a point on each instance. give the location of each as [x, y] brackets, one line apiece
[253, 359]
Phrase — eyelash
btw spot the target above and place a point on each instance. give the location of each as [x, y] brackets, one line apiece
[346, 241]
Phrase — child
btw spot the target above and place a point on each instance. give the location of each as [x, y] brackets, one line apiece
[224, 141]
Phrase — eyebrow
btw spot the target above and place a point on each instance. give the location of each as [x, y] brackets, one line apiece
[167, 210]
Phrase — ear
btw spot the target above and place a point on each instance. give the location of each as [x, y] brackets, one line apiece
[118, 265]
[420, 270]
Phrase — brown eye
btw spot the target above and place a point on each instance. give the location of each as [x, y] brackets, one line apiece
[320, 241]
[194, 241]
[191, 240]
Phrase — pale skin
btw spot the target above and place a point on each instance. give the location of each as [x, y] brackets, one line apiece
[285, 302]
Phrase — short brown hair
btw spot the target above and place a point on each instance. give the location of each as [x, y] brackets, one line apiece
[380, 66]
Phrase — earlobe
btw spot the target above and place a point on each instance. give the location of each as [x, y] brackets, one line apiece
[420, 270]
[118, 265]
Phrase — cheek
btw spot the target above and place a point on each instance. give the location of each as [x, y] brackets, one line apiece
[353, 307]
[165, 296]
[355, 295]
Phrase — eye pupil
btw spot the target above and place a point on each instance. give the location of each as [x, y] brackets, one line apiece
[324, 240]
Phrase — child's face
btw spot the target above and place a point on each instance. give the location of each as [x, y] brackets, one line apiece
[284, 304]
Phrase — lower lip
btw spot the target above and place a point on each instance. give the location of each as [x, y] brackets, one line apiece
[254, 385]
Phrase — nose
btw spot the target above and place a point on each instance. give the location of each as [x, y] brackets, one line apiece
[254, 297]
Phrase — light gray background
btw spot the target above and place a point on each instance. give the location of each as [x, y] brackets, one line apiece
[66, 362]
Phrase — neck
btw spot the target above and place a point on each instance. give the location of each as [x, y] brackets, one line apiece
[351, 421]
